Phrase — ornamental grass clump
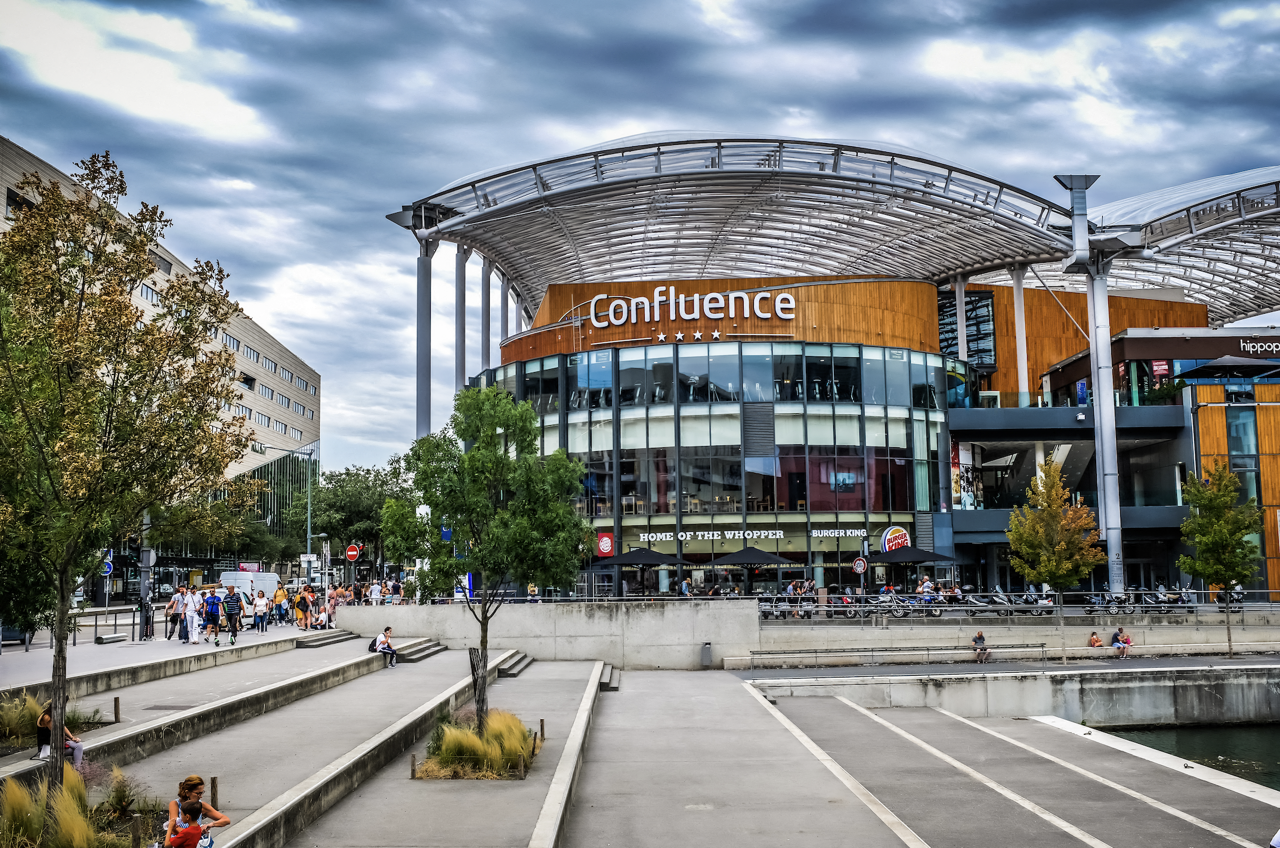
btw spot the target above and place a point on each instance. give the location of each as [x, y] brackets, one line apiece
[21, 814]
[24, 821]
[18, 716]
[457, 752]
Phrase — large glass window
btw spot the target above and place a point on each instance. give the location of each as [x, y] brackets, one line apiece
[846, 373]
[696, 491]
[660, 383]
[722, 366]
[575, 375]
[533, 385]
[600, 380]
[579, 441]
[1242, 430]
[631, 376]
[694, 379]
[897, 377]
[873, 375]
[550, 433]
[788, 426]
[818, 367]
[658, 469]
[760, 483]
[788, 371]
[695, 425]
[757, 372]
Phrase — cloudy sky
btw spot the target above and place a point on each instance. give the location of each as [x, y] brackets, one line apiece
[278, 134]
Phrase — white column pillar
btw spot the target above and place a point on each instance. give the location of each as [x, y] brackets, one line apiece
[460, 319]
[427, 249]
[1020, 335]
[1104, 428]
[1039, 459]
[486, 316]
[505, 309]
[962, 322]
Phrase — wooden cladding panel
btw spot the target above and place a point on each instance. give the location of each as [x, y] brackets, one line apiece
[1269, 485]
[1213, 422]
[1268, 420]
[875, 312]
[1051, 337]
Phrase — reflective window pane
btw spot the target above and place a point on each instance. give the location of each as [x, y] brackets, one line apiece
[897, 377]
[818, 367]
[757, 372]
[846, 373]
[660, 385]
[873, 375]
[693, 374]
[788, 371]
[725, 384]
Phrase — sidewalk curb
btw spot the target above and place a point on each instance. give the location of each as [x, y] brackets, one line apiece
[550, 825]
[128, 675]
[283, 817]
[140, 741]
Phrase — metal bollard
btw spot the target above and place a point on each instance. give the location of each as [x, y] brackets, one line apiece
[522, 766]
[135, 830]
[117, 708]
[133, 625]
[413, 766]
[542, 729]
[213, 792]
[95, 628]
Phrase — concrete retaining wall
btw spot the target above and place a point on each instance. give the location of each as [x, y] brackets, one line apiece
[128, 675]
[650, 635]
[1097, 698]
[628, 635]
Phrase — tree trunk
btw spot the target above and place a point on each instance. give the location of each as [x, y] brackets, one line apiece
[479, 674]
[1062, 628]
[58, 685]
[1230, 652]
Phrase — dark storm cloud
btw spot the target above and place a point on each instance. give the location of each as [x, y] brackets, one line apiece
[357, 108]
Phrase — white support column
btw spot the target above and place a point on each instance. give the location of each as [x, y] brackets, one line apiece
[1020, 335]
[486, 316]
[962, 321]
[1104, 428]
[427, 249]
[505, 309]
[460, 319]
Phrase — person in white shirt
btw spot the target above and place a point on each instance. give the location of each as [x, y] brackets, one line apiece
[261, 607]
[383, 645]
[375, 593]
[191, 610]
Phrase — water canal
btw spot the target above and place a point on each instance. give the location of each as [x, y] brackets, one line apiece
[1248, 751]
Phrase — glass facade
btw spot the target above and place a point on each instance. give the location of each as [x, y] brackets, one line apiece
[807, 450]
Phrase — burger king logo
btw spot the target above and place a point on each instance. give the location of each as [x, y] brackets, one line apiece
[605, 544]
[893, 538]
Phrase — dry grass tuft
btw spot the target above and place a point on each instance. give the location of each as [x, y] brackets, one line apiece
[457, 752]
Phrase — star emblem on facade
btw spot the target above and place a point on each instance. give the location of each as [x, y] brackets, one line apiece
[715, 334]
[697, 337]
[679, 337]
[662, 337]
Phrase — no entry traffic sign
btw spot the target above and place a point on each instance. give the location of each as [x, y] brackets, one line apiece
[353, 553]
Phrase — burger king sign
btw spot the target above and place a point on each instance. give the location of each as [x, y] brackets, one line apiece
[893, 538]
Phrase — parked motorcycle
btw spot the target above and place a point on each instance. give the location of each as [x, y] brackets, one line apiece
[1007, 605]
[1231, 600]
[1154, 602]
[1109, 603]
[974, 604]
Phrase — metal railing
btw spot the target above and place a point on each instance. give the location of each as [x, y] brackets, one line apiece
[888, 653]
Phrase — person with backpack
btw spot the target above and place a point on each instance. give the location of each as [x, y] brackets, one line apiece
[303, 606]
[233, 607]
[382, 644]
[281, 602]
[212, 616]
[173, 612]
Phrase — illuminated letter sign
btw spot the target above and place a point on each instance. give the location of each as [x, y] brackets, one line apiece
[893, 538]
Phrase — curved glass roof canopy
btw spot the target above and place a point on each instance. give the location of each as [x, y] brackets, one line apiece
[670, 206]
[688, 205]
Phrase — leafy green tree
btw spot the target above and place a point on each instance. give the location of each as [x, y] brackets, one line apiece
[1220, 528]
[347, 505]
[1052, 540]
[106, 408]
[510, 511]
[404, 534]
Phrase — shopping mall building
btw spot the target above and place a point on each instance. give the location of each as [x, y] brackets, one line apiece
[818, 348]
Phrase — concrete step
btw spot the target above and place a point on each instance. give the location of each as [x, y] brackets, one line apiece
[421, 652]
[615, 680]
[518, 664]
[604, 677]
[505, 666]
[322, 638]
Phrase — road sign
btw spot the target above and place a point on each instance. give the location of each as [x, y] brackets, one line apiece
[106, 562]
[353, 553]
[859, 565]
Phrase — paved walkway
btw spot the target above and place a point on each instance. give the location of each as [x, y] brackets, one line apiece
[390, 810]
[691, 758]
[19, 668]
[947, 806]
[261, 758]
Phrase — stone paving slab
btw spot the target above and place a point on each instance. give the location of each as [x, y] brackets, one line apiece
[390, 810]
[266, 756]
[950, 809]
[691, 758]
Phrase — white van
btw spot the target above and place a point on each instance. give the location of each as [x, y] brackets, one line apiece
[250, 582]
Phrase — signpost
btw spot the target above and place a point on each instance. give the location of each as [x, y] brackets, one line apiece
[353, 553]
[859, 565]
[309, 562]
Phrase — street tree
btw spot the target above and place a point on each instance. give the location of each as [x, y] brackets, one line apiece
[1052, 540]
[509, 513]
[1221, 530]
[404, 533]
[106, 408]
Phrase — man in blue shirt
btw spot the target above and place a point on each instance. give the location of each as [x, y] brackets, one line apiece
[212, 613]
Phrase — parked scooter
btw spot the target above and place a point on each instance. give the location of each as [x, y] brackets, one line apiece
[1109, 603]
[1231, 600]
[1182, 599]
[974, 604]
[1154, 602]
[1007, 605]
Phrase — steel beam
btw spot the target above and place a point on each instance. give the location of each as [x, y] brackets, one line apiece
[426, 249]
[1020, 335]
[962, 321]
[460, 319]
[505, 309]
[486, 315]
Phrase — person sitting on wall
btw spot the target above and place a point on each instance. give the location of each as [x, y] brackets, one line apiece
[1120, 642]
[980, 650]
[1094, 640]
